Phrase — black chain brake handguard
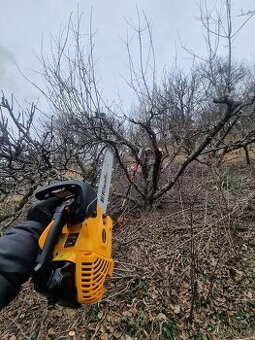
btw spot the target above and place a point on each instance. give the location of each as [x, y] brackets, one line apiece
[83, 196]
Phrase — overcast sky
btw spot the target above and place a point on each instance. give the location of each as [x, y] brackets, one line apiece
[24, 22]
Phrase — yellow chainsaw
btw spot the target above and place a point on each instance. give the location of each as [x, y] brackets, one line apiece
[75, 248]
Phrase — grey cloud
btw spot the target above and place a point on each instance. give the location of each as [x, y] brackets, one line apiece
[7, 62]
[6, 55]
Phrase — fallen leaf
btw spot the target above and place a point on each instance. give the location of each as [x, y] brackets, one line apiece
[249, 295]
[161, 317]
[117, 334]
[71, 333]
[238, 275]
[127, 314]
[150, 317]
[127, 337]
[154, 296]
[100, 315]
[104, 336]
[177, 309]
[51, 331]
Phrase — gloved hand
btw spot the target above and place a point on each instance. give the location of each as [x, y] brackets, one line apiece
[43, 211]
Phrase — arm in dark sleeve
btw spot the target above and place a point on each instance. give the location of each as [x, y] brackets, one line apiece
[18, 252]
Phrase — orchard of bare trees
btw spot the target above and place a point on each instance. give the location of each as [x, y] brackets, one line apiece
[190, 119]
[201, 114]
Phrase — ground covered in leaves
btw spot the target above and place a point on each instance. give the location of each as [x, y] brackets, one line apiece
[183, 270]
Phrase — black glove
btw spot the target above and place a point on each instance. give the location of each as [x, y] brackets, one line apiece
[43, 211]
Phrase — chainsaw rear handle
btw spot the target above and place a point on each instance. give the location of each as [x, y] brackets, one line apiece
[59, 219]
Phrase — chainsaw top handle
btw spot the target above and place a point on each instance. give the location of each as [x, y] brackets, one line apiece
[82, 195]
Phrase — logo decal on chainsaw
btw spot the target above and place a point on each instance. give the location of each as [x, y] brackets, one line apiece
[105, 181]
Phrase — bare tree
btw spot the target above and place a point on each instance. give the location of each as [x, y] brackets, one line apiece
[28, 156]
[187, 115]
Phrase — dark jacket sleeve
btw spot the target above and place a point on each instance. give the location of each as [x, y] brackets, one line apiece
[18, 252]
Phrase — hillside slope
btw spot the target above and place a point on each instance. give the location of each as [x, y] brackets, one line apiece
[183, 270]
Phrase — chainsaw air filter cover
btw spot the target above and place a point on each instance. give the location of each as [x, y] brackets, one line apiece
[81, 261]
[90, 277]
